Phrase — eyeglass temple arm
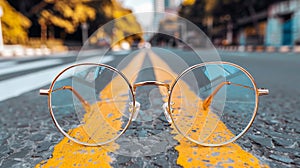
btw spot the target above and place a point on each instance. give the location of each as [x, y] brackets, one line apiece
[208, 100]
[81, 99]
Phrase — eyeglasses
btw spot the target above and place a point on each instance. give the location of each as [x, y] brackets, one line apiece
[211, 104]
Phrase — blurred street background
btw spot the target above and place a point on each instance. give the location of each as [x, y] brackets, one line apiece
[44, 27]
[39, 38]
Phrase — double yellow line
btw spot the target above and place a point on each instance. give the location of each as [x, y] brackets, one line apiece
[192, 155]
[69, 154]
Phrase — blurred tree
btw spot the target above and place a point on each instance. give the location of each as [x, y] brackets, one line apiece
[54, 17]
[188, 2]
[124, 27]
[101, 17]
[67, 14]
[188, 11]
[14, 25]
[127, 28]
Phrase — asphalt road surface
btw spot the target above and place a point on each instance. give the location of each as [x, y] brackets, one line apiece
[28, 137]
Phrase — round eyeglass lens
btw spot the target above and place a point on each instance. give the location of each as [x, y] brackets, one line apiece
[214, 103]
[91, 104]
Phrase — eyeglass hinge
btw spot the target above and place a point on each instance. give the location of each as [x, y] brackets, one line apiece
[263, 91]
[44, 91]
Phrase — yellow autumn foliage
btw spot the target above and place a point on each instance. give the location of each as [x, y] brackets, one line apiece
[14, 25]
[67, 14]
[210, 5]
[188, 2]
[125, 23]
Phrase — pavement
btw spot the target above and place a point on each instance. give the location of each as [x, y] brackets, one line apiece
[28, 137]
[275, 132]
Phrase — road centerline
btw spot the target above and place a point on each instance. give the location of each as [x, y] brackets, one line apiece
[67, 153]
[191, 154]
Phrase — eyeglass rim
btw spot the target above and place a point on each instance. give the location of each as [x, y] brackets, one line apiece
[211, 63]
[169, 102]
[56, 122]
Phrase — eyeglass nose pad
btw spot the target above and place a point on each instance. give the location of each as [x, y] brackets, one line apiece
[136, 109]
[165, 107]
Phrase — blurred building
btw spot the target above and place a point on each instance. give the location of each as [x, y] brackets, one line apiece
[283, 25]
[161, 6]
[168, 25]
[171, 6]
[278, 25]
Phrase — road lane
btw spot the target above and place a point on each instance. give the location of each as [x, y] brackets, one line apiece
[27, 133]
[278, 117]
[192, 155]
[22, 84]
[67, 153]
[7, 64]
[31, 65]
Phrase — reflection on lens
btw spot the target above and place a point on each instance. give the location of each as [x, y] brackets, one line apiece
[85, 106]
[214, 103]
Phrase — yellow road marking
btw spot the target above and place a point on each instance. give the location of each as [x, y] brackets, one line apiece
[69, 154]
[191, 154]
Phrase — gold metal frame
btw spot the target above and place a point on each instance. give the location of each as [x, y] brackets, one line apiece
[50, 90]
[150, 83]
[258, 92]
[206, 103]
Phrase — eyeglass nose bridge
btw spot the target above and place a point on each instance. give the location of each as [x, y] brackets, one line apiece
[156, 83]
